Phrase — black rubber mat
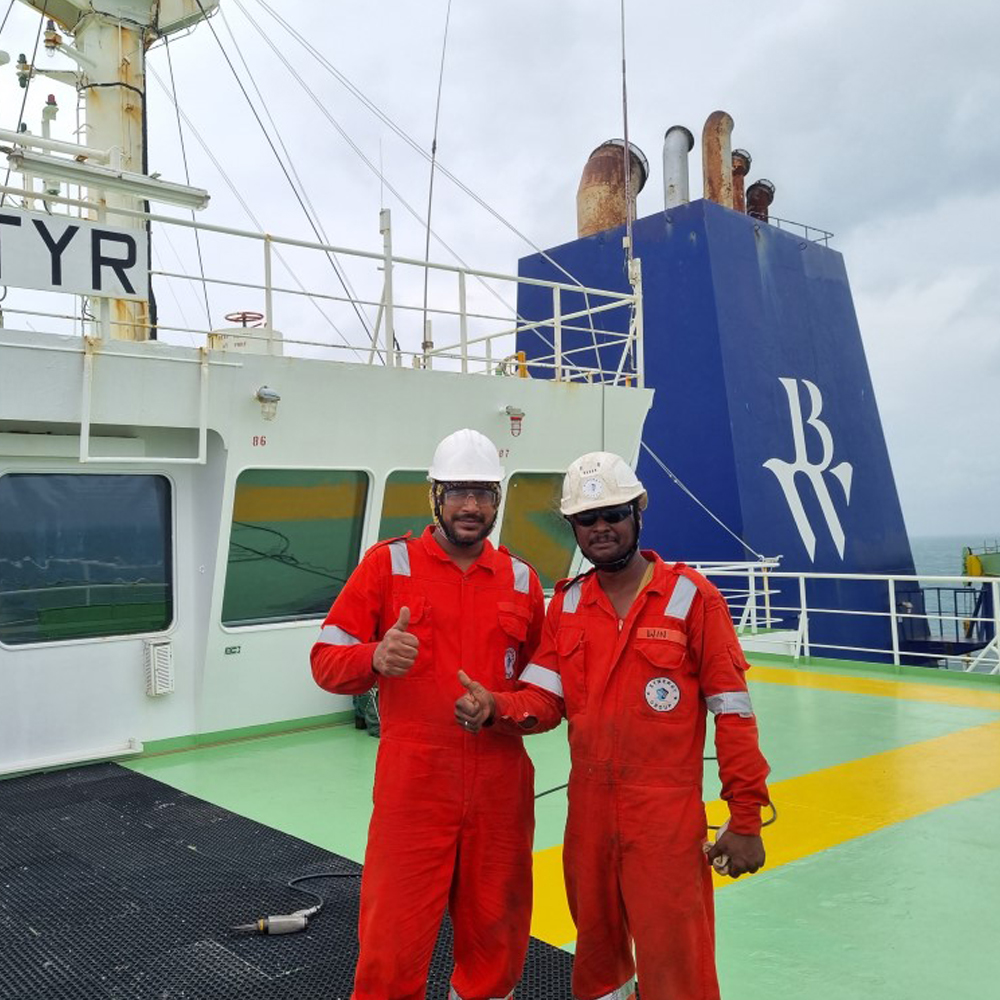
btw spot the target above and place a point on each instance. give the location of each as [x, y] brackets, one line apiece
[114, 886]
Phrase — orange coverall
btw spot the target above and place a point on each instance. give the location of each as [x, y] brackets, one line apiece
[453, 817]
[635, 692]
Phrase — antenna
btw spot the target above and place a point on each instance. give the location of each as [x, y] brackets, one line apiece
[627, 150]
[427, 342]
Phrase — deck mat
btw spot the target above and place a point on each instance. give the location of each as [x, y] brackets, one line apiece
[114, 886]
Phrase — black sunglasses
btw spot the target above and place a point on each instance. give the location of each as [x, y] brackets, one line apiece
[609, 515]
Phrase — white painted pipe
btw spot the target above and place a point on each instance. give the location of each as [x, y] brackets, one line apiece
[677, 143]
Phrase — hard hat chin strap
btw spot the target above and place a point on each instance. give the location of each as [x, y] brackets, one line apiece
[617, 565]
[437, 499]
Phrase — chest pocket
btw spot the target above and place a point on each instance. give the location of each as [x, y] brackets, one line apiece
[421, 626]
[571, 646]
[506, 658]
[666, 691]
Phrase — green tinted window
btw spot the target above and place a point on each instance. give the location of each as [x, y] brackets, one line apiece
[405, 506]
[295, 539]
[83, 556]
[534, 528]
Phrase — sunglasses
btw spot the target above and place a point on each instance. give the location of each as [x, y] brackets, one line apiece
[609, 515]
[459, 495]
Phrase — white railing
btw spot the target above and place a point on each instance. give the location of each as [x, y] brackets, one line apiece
[369, 306]
[947, 622]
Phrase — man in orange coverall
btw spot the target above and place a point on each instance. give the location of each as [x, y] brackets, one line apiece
[453, 818]
[633, 653]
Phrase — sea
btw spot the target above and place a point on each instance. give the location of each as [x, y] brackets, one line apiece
[941, 555]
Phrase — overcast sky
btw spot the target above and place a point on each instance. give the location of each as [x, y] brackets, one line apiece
[875, 120]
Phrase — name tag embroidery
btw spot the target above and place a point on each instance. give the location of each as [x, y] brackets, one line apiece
[662, 634]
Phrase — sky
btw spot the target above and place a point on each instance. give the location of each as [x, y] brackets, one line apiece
[874, 121]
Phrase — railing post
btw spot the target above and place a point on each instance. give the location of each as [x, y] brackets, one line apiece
[995, 586]
[268, 295]
[463, 323]
[894, 623]
[804, 618]
[557, 330]
[385, 228]
[752, 599]
[635, 277]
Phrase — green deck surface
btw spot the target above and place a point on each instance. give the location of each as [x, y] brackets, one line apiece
[905, 912]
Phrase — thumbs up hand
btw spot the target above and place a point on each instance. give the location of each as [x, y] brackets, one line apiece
[397, 651]
[476, 707]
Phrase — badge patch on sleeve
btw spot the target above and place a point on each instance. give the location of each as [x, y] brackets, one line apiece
[662, 694]
[509, 659]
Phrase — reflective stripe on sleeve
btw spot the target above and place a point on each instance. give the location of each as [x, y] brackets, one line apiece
[730, 703]
[624, 992]
[571, 596]
[522, 575]
[334, 635]
[400, 558]
[542, 677]
[681, 598]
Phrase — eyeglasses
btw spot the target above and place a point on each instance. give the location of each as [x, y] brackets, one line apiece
[459, 496]
[609, 515]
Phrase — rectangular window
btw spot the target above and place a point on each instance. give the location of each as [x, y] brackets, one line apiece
[406, 504]
[295, 539]
[534, 529]
[83, 556]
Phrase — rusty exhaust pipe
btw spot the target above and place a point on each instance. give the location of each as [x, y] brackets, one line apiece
[600, 199]
[760, 194]
[741, 167]
[717, 158]
[677, 143]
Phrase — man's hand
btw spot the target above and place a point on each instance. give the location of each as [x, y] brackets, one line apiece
[395, 654]
[736, 854]
[475, 708]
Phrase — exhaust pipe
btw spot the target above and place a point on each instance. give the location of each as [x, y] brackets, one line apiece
[717, 158]
[741, 167]
[677, 143]
[760, 194]
[600, 199]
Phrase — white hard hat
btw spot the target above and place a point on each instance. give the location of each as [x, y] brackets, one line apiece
[600, 479]
[466, 457]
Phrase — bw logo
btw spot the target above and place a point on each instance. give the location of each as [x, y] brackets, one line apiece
[786, 472]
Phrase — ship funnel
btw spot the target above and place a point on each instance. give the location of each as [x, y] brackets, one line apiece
[760, 194]
[677, 143]
[717, 159]
[741, 167]
[600, 199]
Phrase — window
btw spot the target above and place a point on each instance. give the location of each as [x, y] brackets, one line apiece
[533, 527]
[83, 556]
[405, 506]
[295, 539]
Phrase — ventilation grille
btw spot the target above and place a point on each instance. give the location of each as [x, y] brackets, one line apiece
[158, 659]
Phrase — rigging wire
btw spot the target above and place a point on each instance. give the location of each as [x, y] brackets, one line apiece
[321, 106]
[408, 139]
[430, 186]
[331, 257]
[676, 481]
[284, 170]
[3, 23]
[27, 88]
[187, 180]
[206, 149]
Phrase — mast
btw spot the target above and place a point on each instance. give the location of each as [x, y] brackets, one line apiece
[109, 43]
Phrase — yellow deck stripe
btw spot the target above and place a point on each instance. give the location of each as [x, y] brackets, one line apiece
[828, 807]
[939, 694]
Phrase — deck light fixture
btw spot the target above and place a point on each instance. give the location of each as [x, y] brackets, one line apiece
[268, 399]
[107, 178]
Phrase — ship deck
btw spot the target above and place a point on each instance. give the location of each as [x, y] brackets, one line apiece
[879, 881]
